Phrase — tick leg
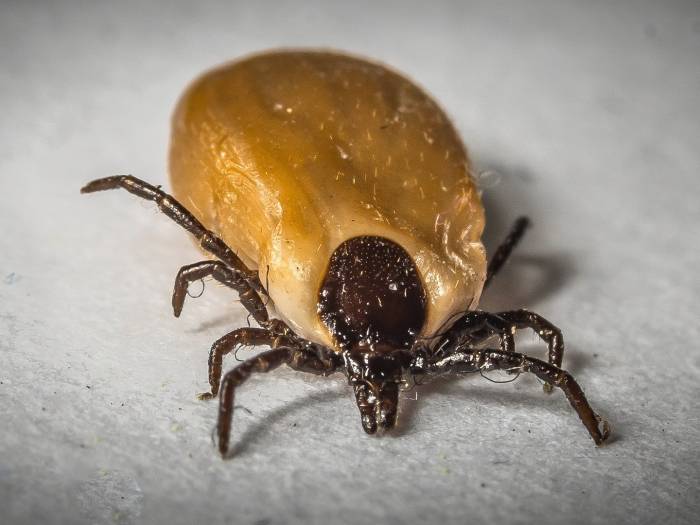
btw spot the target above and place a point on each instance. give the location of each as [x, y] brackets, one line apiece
[462, 361]
[316, 360]
[178, 213]
[475, 327]
[298, 359]
[550, 334]
[248, 296]
[228, 343]
[504, 250]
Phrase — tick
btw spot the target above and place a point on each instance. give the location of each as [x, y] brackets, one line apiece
[338, 191]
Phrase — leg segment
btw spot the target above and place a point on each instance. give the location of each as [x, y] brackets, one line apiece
[550, 334]
[476, 327]
[178, 213]
[504, 250]
[226, 344]
[222, 273]
[319, 361]
[265, 362]
[487, 359]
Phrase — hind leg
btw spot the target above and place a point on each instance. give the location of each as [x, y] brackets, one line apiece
[506, 247]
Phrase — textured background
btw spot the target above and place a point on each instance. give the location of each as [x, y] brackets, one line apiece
[590, 114]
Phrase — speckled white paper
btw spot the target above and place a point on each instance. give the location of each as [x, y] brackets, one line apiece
[588, 112]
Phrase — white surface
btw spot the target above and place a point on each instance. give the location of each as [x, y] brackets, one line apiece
[590, 112]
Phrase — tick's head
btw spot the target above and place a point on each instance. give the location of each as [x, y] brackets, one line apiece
[373, 304]
[365, 365]
[376, 378]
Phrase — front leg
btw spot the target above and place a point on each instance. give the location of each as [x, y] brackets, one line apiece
[232, 340]
[476, 327]
[550, 334]
[299, 359]
[466, 361]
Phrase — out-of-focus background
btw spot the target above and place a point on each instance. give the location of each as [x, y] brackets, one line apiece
[583, 115]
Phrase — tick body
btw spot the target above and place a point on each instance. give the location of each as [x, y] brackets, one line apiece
[337, 190]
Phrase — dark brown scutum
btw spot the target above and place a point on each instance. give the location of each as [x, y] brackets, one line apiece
[372, 295]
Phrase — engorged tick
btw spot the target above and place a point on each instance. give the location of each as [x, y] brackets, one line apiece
[356, 207]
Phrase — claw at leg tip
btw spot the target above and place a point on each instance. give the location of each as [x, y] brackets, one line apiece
[205, 396]
[224, 450]
[606, 430]
[605, 433]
